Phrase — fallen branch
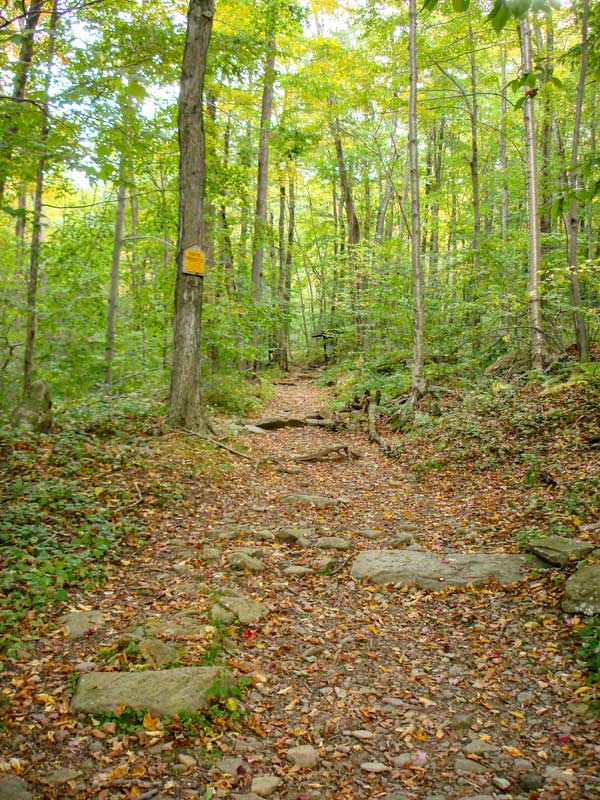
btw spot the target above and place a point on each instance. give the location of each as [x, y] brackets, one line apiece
[374, 435]
[217, 443]
[321, 454]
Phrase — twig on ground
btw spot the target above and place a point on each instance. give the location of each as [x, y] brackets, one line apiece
[217, 443]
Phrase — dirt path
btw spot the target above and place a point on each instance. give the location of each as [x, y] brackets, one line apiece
[393, 693]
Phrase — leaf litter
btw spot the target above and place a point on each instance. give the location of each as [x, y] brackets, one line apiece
[401, 692]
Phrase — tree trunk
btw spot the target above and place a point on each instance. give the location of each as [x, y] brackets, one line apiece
[22, 69]
[260, 218]
[185, 406]
[572, 217]
[502, 154]
[534, 297]
[388, 187]
[418, 379]
[474, 165]
[113, 294]
[281, 284]
[36, 236]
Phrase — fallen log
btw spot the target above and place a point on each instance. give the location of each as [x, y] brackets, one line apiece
[374, 435]
[276, 423]
[340, 448]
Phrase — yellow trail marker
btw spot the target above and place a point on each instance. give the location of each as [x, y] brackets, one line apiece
[193, 261]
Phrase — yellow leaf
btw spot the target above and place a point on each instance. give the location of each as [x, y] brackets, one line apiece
[150, 723]
[420, 734]
[45, 698]
[231, 705]
[517, 714]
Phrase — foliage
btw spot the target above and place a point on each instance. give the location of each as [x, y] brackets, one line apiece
[589, 649]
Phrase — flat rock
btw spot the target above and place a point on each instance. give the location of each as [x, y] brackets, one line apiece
[158, 653]
[320, 501]
[304, 756]
[81, 623]
[230, 765]
[274, 423]
[208, 553]
[242, 561]
[582, 591]
[265, 785]
[253, 429]
[469, 767]
[297, 570]
[559, 550]
[246, 611]
[61, 776]
[478, 747]
[13, 788]
[298, 537]
[428, 571]
[225, 533]
[369, 534]
[162, 692]
[264, 535]
[181, 625]
[401, 540]
[374, 766]
[333, 543]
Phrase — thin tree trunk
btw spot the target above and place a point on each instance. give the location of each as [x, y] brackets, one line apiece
[418, 379]
[474, 165]
[22, 70]
[260, 218]
[36, 236]
[113, 294]
[572, 217]
[388, 187]
[503, 158]
[289, 259]
[281, 283]
[546, 143]
[534, 296]
[185, 406]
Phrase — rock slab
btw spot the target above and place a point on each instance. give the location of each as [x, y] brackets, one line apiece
[163, 692]
[559, 550]
[246, 611]
[428, 571]
[12, 788]
[81, 623]
[582, 591]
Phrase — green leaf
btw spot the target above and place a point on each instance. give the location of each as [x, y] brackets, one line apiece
[520, 102]
[499, 15]
[520, 8]
[460, 5]
[429, 5]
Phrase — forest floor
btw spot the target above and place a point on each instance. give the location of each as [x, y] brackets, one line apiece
[393, 693]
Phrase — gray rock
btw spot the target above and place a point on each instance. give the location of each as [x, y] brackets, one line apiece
[265, 785]
[304, 756]
[163, 692]
[531, 780]
[416, 548]
[401, 540]
[12, 788]
[557, 775]
[209, 553]
[478, 747]
[297, 570]
[582, 591]
[428, 571]
[333, 543]
[297, 537]
[61, 776]
[402, 760]
[368, 534]
[188, 761]
[468, 767]
[461, 722]
[225, 533]
[320, 501]
[85, 666]
[500, 783]
[374, 767]
[523, 765]
[81, 623]
[181, 625]
[244, 610]
[232, 766]
[251, 550]
[362, 734]
[264, 535]
[242, 561]
[559, 550]
[253, 429]
[157, 652]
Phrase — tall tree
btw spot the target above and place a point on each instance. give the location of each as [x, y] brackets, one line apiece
[534, 292]
[418, 378]
[185, 403]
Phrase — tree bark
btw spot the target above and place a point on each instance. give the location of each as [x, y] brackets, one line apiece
[418, 380]
[19, 85]
[260, 217]
[502, 154]
[572, 217]
[534, 297]
[185, 406]
[113, 293]
[36, 235]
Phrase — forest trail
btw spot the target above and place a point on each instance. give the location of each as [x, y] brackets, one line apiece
[390, 693]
